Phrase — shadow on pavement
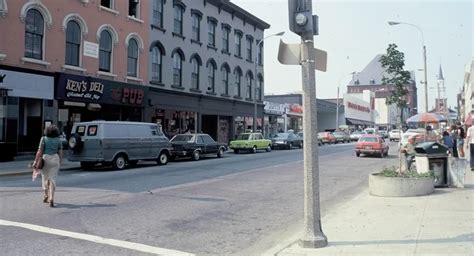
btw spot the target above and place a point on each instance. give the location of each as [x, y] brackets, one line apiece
[468, 237]
[78, 206]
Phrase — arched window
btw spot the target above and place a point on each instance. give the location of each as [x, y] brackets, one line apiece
[249, 79]
[132, 60]
[178, 19]
[260, 88]
[73, 43]
[196, 66]
[105, 51]
[156, 58]
[225, 79]
[34, 32]
[237, 80]
[177, 68]
[211, 76]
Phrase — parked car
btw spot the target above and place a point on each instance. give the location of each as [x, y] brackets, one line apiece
[355, 136]
[371, 144]
[250, 142]
[370, 130]
[117, 143]
[394, 135]
[342, 137]
[287, 140]
[195, 146]
[320, 142]
[383, 133]
[327, 137]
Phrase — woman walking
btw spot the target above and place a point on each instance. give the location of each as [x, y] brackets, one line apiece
[51, 152]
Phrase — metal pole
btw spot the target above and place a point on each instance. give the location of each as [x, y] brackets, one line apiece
[426, 78]
[337, 108]
[313, 236]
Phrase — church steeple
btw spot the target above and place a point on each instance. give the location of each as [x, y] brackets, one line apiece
[440, 75]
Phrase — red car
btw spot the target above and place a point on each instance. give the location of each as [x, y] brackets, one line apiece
[371, 144]
[326, 138]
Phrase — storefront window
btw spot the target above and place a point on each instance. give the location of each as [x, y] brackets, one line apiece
[175, 122]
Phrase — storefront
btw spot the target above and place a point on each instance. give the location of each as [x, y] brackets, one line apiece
[358, 113]
[26, 107]
[179, 112]
[294, 117]
[274, 120]
[83, 99]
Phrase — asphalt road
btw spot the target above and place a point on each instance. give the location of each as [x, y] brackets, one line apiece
[241, 204]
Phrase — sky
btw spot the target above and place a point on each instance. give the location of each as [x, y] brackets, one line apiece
[354, 32]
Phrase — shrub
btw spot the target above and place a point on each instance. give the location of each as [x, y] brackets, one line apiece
[393, 172]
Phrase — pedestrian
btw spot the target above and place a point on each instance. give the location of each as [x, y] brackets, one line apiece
[409, 150]
[51, 152]
[454, 135]
[448, 141]
[461, 138]
[470, 140]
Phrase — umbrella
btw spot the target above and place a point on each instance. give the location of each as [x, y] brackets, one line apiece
[426, 118]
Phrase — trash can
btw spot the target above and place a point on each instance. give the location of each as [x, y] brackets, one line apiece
[433, 156]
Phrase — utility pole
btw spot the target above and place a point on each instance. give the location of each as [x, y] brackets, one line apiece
[305, 24]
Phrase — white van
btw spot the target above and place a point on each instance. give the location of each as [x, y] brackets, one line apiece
[117, 143]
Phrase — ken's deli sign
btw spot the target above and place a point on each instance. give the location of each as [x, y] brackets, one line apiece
[84, 90]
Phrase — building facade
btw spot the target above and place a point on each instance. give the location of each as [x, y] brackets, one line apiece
[206, 67]
[63, 64]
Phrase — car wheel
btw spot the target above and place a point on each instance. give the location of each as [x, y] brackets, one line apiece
[269, 148]
[357, 154]
[163, 158]
[236, 151]
[254, 149]
[290, 146]
[220, 153]
[301, 145]
[87, 165]
[196, 155]
[119, 162]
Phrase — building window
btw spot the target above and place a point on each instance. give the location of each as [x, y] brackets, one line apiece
[196, 27]
[225, 39]
[211, 74]
[260, 54]
[34, 31]
[134, 8]
[196, 65]
[238, 44]
[211, 33]
[156, 57]
[132, 60]
[73, 43]
[178, 19]
[107, 3]
[238, 78]
[105, 51]
[225, 80]
[158, 13]
[249, 48]
[249, 79]
[177, 68]
[259, 87]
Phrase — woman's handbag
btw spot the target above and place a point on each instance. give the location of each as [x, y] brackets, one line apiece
[39, 157]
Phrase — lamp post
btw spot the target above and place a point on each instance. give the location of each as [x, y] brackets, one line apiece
[393, 23]
[337, 99]
[255, 86]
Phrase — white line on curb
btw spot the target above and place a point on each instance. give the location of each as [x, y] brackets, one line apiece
[96, 239]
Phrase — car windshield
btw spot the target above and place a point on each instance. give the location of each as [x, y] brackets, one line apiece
[183, 138]
[243, 136]
[338, 133]
[369, 139]
[282, 136]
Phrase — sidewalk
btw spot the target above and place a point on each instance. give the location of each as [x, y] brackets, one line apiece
[438, 224]
[21, 167]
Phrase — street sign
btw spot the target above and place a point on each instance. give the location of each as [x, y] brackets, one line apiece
[290, 54]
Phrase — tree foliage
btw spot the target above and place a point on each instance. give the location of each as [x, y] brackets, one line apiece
[393, 62]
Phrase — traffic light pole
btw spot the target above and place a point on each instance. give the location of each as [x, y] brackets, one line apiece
[313, 236]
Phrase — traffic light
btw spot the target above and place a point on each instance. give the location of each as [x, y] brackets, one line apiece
[301, 18]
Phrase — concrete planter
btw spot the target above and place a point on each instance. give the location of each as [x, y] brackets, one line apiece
[380, 185]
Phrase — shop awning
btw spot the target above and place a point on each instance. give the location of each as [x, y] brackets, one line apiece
[352, 121]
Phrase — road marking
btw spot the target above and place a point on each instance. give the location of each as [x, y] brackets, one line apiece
[96, 239]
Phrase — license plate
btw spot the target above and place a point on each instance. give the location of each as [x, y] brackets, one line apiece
[368, 147]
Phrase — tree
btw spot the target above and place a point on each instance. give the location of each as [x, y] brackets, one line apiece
[393, 62]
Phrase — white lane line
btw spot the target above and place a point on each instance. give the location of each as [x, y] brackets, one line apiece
[96, 239]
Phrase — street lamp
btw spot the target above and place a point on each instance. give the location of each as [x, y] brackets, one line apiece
[337, 99]
[393, 23]
[255, 81]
